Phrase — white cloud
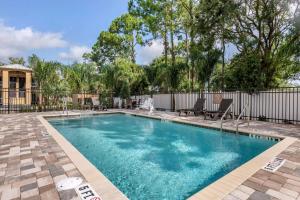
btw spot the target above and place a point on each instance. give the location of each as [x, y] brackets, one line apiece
[75, 53]
[147, 53]
[14, 42]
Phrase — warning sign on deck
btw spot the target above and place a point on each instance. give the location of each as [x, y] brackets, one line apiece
[86, 192]
[274, 164]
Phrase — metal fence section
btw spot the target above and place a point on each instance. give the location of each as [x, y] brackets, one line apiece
[16, 101]
[280, 105]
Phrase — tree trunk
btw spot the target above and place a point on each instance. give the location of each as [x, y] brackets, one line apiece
[166, 47]
[133, 55]
[165, 38]
[192, 36]
[223, 62]
[192, 66]
[173, 59]
[132, 51]
[187, 58]
[112, 99]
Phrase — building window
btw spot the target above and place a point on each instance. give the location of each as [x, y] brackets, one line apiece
[22, 87]
[12, 86]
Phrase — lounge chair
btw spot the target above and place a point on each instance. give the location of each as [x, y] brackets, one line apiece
[96, 104]
[224, 105]
[197, 110]
[146, 105]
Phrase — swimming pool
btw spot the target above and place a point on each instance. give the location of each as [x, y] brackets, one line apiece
[151, 159]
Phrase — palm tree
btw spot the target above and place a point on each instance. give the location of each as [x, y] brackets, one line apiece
[45, 75]
[81, 77]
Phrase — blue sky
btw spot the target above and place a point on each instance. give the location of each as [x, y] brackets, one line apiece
[54, 29]
[61, 30]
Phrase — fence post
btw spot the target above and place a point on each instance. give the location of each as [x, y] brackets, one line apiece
[250, 106]
[171, 109]
[240, 102]
[8, 102]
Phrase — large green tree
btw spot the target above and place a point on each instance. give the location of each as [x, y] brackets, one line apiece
[263, 27]
[120, 41]
[194, 35]
[108, 47]
[47, 78]
[82, 77]
[123, 73]
[215, 19]
[129, 29]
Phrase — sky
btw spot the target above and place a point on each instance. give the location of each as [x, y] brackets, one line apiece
[62, 30]
[59, 30]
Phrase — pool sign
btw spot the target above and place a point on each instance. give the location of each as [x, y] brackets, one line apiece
[274, 164]
[86, 192]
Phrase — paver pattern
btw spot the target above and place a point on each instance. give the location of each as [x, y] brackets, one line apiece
[31, 162]
[284, 184]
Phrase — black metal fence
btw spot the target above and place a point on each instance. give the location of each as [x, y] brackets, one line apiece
[15, 101]
[280, 105]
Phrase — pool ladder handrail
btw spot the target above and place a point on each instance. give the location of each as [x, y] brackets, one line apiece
[224, 115]
[246, 107]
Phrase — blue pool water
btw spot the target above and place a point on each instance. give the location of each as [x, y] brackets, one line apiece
[151, 159]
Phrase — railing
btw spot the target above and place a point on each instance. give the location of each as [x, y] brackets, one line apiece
[279, 105]
[32, 100]
[224, 115]
[240, 116]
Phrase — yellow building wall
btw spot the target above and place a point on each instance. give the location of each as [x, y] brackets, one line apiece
[5, 89]
[28, 87]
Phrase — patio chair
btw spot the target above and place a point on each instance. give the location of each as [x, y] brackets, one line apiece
[197, 110]
[129, 104]
[146, 105]
[224, 105]
[96, 105]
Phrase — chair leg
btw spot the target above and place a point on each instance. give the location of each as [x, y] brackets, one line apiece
[215, 116]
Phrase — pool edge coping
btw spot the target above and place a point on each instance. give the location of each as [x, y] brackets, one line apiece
[216, 190]
[100, 183]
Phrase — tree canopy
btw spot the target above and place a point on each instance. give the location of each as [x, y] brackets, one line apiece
[194, 34]
[262, 36]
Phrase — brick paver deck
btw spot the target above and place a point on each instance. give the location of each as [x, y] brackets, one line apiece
[284, 184]
[31, 162]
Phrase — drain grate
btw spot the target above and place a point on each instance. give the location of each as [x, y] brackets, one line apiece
[68, 183]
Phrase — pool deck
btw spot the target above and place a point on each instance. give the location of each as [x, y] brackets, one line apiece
[31, 162]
